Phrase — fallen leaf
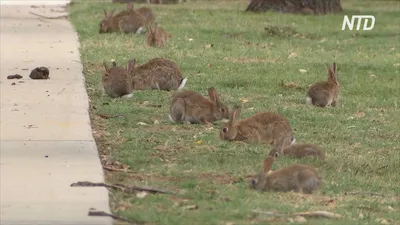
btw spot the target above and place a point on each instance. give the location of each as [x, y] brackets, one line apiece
[288, 85]
[156, 122]
[243, 100]
[209, 46]
[229, 223]
[209, 128]
[141, 194]
[292, 55]
[390, 208]
[199, 142]
[384, 221]
[123, 206]
[209, 65]
[190, 39]
[372, 75]
[190, 207]
[141, 123]
[300, 219]
[303, 71]
[360, 114]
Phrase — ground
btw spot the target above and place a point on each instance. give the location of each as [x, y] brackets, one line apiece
[217, 44]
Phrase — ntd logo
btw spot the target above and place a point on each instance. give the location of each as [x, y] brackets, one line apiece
[359, 18]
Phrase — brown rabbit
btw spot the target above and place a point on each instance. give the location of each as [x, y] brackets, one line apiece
[267, 127]
[157, 73]
[126, 21]
[296, 177]
[148, 15]
[325, 93]
[156, 36]
[299, 151]
[116, 81]
[190, 106]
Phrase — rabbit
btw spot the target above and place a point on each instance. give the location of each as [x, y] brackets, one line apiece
[116, 81]
[296, 177]
[267, 127]
[126, 21]
[156, 36]
[299, 151]
[148, 15]
[324, 93]
[192, 107]
[157, 73]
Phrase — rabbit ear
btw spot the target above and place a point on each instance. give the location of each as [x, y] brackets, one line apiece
[267, 164]
[105, 13]
[235, 113]
[213, 95]
[111, 13]
[131, 66]
[332, 72]
[334, 68]
[129, 6]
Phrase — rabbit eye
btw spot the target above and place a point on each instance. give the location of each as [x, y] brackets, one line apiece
[225, 130]
[253, 182]
[222, 110]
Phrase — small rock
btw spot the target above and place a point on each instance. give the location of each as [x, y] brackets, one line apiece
[40, 73]
[15, 76]
[383, 221]
[13, 83]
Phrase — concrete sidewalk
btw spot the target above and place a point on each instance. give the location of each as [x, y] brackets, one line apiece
[46, 141]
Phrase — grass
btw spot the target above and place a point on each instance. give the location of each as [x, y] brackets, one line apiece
[247, 65]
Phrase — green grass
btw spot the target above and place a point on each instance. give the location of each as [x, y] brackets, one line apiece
[363, 152]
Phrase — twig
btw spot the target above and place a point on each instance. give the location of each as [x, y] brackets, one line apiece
[315, 214]
[116, 170]
[152, 190]
[121, 187]
[319, 214]
[49, 17]
[108, 116]
[269, 213]
[364, 193]
[115, 217]
[91, 184]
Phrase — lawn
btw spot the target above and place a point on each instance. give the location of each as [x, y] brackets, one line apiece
[217, 44]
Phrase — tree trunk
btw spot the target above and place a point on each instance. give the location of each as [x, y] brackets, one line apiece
[316, 7]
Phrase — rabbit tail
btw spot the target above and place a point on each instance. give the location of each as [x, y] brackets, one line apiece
[127, 96]
[182, 84]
